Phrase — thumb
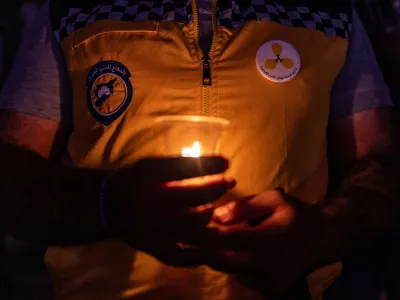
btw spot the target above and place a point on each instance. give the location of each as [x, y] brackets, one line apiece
[243, 210]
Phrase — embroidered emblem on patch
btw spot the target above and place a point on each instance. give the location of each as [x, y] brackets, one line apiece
[109, 91]
[278, 61]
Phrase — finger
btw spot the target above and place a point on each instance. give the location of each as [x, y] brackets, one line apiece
[238, 238]
[171, 253]
[255, 281]
[232, 262]
[178, 168]
[183, 225]
[242, 210]
[197, 191]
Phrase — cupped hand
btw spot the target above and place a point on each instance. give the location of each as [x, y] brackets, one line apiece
[271, 240]
[159, 201]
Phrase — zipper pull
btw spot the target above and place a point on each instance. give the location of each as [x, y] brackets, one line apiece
[206, 71]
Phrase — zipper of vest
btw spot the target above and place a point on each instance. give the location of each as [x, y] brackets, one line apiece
[205, 58]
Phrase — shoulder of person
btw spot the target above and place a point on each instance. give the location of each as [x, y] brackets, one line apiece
[339, 6]
[59, 9]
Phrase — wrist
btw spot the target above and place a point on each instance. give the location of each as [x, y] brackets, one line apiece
[115, 209]
[104, 207]
[77, 212]
[329, 239]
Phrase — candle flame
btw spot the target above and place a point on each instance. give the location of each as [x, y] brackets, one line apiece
[194, 151]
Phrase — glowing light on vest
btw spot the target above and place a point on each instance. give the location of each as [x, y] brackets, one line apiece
[194, 151]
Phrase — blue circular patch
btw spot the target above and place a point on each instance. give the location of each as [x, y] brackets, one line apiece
[109, 91]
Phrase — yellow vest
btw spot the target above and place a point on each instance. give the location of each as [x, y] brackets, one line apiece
[130, 61]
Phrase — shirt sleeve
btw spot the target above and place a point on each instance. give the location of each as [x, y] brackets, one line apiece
[360, 86]
[38, 83]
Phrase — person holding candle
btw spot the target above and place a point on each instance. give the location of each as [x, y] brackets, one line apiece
[297, 80]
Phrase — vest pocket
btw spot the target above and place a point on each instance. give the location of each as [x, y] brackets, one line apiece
[100, 29]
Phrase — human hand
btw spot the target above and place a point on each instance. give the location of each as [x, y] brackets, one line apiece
[280, 246]
[155, 202]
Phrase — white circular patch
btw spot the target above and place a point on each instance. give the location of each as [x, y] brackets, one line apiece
[278, 61]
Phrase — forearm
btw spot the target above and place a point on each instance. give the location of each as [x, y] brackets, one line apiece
[44, 202]
[366, 206]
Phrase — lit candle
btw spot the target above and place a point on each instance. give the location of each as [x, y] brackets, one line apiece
[193, 151]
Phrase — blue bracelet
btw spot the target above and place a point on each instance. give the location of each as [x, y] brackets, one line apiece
[103, 206]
